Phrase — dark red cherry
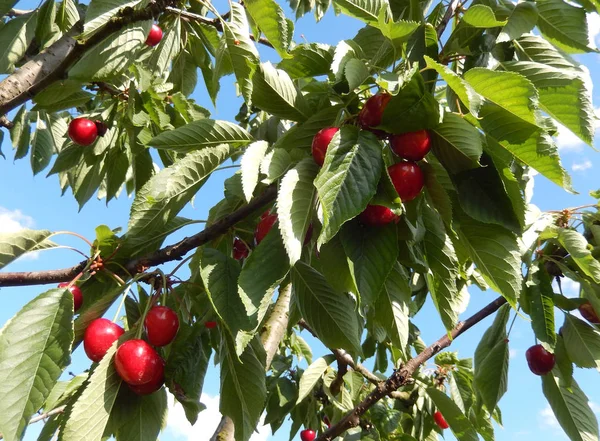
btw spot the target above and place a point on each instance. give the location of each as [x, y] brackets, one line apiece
[412, 146]
[77, 294]
[377, 215]
[267, 220]
[321, 142]
[540, 361]
[154, 36]
[587, 312]
[99, 337]
[83, 131]
[372, 111]
[137, 362]
[440, 420]
[240, 249]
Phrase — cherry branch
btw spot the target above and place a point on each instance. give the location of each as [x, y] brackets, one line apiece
[402, 376]
[164, 255]
[450, 11]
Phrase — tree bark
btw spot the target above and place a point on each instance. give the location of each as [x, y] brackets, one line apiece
[271, 335]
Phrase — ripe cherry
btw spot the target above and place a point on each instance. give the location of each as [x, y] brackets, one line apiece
[154, 384]
[267, 220]
[83, 131]
[77, 294]
[161, 325]
[372, 111]
[137, 362]
[101, 127]
[154, 36]
[210, 325]
[412, 146]
[408, 180]
[308, 435]
[99, 337]
[240, 249]
[440, 420]
[320, 143]
[540, 361]
[587, 312]
[377, 215]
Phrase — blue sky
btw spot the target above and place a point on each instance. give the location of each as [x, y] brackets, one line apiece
[35, 202]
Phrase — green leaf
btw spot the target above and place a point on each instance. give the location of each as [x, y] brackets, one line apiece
[541, 296]
[184, 74]
[356, 73]
[521, 20]
[99, 12]
[564, 25]
[334, 266]
[365, 10]
[140, 418]
[311, 376]
[372, 253]
[274, 165]
[67, 15]
[243, 389]
[582, 342]
[100, 293]
[167, 49]
[498, 260]
[14, 245]
[274, 91]
[6, 5]
[90, 413]
[201, 134]
[465, 92]
[308, 60]
[113, 55]
[250, 166]
[240, 52]
[393, 307]
[570, 406]
[576, 245]
[563, 95]
[443, 263]
[166, 193]
[331, 315]
[20, 133]
[271, 20]
[301, 135]
[491, 361]
[42, 146]
[295, 203]
[348, 179]
[539, 50]
[35, 347]
[46, 27]
[15, 37]
[481, 16]
[457, 144]
[460, 425]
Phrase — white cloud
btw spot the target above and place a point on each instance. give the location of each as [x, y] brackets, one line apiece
[547, 419]
[595, 407]
[14, 220]
[208, 420]
[581, 166]
[567, 141]
[593, 28]
[512, 353]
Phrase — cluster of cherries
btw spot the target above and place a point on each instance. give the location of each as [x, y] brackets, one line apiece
[406, 176]
[83, 131]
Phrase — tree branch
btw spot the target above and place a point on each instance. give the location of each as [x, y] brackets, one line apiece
[166, 254]
[5, 122]
[446, 18]
[402, 376]
[43, 416]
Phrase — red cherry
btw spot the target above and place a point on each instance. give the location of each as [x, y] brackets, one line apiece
[83, 131]
[210, 325]
[77, 294]
[161, 325]
[440, 420]
[136, 362]
[240, 249]
[326, 421]
[372, 111]
[154, 36]
[377, 215]
[99, 337]
[408, 180]
[308, 435]
[320, 143]
[540, 361]
[267, 220]
[154, 384]
[101, 127]
[587, 312]
[412, 146]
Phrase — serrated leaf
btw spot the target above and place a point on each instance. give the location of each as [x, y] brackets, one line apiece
[67, 15]
[331, 315]
[457, 144]
[90, 413]
[201, 134]
[348, 178]
[333, 264]
[301, 135]
[538, 49]
[460, 425]
[113, 55]
[6, 5]
[311, 376]
[308, 60]
[167, 192]
[564, 25]
[541, 296]
[521, 20]
[371, 253]
[271, 20]
[35, 347]
[167, 49]
[250, 166]
[365, 10]
[295, 202]
[99, 12]
[576, 245]
[14, 245]
[582, 342]
[397, 31]
[20, 132]
[498, 260]
[42, 147]
[141, 418]
[393, 307]
[570, 406]
[482, 16]
[356, 72]
[243, 389]
[15, 37]
[274, 91]
[275, 164]
[46, 27]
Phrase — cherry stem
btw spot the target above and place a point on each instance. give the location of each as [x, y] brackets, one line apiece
[71, 233]
[64, 247]
[179, 265]
[513, 322]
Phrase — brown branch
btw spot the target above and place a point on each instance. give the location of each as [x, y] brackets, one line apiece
[43, 416]
[166, 254]
[447, 16]
[19, 12]
[5, 122]
[402, 376]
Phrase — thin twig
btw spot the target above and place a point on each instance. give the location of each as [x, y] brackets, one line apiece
[447, 16]
[43, 416]
[5, 122]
